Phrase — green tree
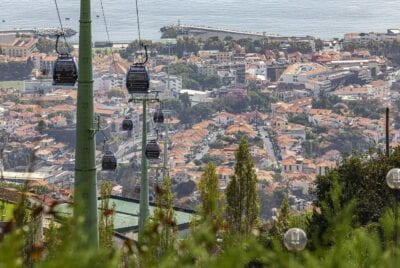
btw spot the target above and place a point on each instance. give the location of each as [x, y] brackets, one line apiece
[201, 111]
[41, 127]
[186, 46]
[106, 221]
[359, 179]
[325, 101]
[283, 220]
[209, 194]
[241, 193]
[134, 47]
[319, 44]
[161, 232]
[235, 102]
[185, 99]
[174, 105]
[169, 33]
[213, 43]
[14, 70]
[45, 45]
[211, 81]
[260, 101]
[207, 158]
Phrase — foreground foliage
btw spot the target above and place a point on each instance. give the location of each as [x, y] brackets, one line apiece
[356, 225]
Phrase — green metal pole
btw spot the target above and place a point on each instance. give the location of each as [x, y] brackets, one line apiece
[85, 197]
[144, 184]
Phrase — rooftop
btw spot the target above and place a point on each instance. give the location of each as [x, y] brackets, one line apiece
[126, 217]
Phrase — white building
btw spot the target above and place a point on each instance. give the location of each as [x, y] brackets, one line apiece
[161, 82]
[196, 96]
[300, 73]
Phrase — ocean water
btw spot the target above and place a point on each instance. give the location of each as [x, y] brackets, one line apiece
[321, 18]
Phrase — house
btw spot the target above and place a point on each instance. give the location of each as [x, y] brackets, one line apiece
[196, 96]
[224, 118]
[324, 167]
[292, 164]
[293, 130]
[13, 46]
[58, 121]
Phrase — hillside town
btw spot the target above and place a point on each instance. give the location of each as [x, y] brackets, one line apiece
[303, 104]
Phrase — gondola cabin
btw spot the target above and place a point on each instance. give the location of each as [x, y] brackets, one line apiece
[152, 150]
[109, 162]
[137, 79]
[158, 117]
[65, 72]
[127, 124]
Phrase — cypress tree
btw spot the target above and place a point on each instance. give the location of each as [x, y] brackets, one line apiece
[161, 231]
[283, 221]
[106, 222]
[165, 215]
[241, 194]
[209, 194]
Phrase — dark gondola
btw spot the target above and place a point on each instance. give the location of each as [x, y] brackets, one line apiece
[65, 71]
[153, 150]
[158, 117]
[137, 78]
[109, 162]
[127, 124]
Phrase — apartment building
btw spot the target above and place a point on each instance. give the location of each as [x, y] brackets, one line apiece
[17, 46]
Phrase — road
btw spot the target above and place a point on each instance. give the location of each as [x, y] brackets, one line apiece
[268, 145]
[204, 149]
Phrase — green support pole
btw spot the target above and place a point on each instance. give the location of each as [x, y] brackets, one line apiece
[144, 184]
[85, 196]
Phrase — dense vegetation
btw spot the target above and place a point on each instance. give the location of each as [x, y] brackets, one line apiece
[191, 78]
[13, 70]
[233, 102]
[355, 225]
[188, 45]
[391, 50]
[45, 45]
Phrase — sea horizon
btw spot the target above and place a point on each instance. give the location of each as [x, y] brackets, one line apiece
[286, 17]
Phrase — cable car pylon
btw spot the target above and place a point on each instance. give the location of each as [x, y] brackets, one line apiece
[144, 181]
[85, 195]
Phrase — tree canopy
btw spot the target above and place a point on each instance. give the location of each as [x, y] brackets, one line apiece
[241, 195]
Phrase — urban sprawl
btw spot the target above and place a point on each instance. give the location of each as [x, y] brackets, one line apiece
[302, 102]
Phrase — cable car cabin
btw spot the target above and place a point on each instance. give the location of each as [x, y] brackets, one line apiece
[109, 162]
[65, 72]
[152, 150]
[137, 79]
[158, 117]
[127, 124]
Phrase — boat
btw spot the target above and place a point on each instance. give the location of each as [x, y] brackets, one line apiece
[67, 18]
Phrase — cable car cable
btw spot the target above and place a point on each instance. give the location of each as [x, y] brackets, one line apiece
[108, 34]
[137, 78]
[138, 22]
[139, 33]
[61, 26]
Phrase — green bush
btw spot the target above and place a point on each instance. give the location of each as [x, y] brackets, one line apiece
[355, 224]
